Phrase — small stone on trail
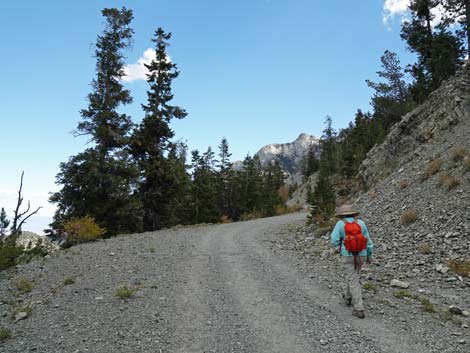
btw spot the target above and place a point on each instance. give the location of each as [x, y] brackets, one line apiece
[399, 284]
[21, 316]
[455, 310]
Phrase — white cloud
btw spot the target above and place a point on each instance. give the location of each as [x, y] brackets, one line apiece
[399, 8]
[393, 8]
[137, 71]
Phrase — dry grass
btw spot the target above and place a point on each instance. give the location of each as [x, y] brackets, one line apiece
[427, 134]
[425, 248]
[280, 210]
[460, 267]
[403, 184]
[432, 168]
[248, 216]
[449, 181]
[409, 216]
[23, 285]
[372, 194]
[466, 164]
[458, 153]
[225, 219]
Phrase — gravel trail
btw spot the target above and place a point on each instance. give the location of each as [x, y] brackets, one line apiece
[216, 288]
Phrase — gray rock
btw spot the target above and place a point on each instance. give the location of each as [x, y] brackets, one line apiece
[399, 284]
[455, 310]
[21, 316]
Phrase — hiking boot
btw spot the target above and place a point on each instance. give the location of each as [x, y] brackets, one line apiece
[358, 313]
[346, 300]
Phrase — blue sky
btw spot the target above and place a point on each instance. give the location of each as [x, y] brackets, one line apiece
[253, 71]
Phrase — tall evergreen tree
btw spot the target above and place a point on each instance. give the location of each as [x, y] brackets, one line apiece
[4, 222]
[179, 206]
[322, 201]
[225, 178]
[458, 11]
[310, 163]
[328, 148]
[150, 141]
[101, 180]
[107, 127]
[439, 51]
[391, 99]
[204, 188]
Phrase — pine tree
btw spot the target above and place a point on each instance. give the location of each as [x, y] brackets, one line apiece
[328, 148]
[225, 178]
[439, 52]
[4, 222]
[100, 181]
[107, 127]
[100, 187]
[310, 163]
[150, 142]
[204, 188]
[459, 12]
[273, 180]
[322, 201]
[391, 99]
[179, 206]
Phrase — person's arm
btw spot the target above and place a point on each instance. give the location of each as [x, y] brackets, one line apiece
[337, 234]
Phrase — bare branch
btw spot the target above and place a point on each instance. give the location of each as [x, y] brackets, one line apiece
[18, 204]
[19, 218]
[25, 212]
[32, 213]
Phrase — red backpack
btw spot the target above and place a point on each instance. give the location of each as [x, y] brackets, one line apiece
[354, 240]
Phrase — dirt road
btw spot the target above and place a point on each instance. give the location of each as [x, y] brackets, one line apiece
[216, 288]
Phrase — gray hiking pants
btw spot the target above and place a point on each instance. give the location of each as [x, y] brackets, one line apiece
[351, 277]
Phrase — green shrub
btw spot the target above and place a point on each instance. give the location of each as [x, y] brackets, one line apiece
[68, 281]
[428, 306]
[124, 292]
[402, 293]
[4, 334]
[9, 252]
[368, 286]
[81, 230]
[23, 285]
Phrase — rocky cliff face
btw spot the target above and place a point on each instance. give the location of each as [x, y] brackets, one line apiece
[289, 155]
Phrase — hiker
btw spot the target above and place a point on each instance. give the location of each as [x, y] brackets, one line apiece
[350, 234]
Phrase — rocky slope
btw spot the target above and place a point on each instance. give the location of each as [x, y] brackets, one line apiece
[417, 209]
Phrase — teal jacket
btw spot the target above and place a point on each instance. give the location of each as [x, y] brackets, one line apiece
[337, 237]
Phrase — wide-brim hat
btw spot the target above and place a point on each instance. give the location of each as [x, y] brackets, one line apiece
[346, 210]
